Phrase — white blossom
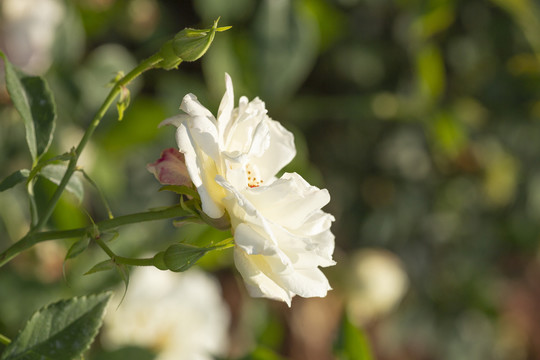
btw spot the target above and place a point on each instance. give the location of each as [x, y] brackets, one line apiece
[378, 282]
[180, 316]
[282, 236]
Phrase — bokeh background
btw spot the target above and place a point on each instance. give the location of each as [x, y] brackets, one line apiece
[422, 118]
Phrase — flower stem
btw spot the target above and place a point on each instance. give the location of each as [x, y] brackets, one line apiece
[4, 340]
[33, 238]
[142, 67]
[123, 260]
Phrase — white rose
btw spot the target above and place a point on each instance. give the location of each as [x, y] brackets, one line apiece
[281, 233]
[179, 316]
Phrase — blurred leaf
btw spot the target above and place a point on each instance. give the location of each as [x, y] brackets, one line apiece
[55, 173]
[436, 20]
[140, 125]
[449, 134]
[286, 46]
[228, 10]
[101, 194]
[229, 55]
[34, 102]
[102, 266]
[352, 343]
[14, 179]
[263, 353]
[77, 248]
[501, 171]
[527, 15]
[60, 331]
[100, 65]
[123, 271]
[131, 353]
[431, 72]
[109, 236]
[331, 21]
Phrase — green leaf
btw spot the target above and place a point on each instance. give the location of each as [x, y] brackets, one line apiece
[60, 331]
[284, 54]
[180, 257]
[55, 173]
[352, 343]
[41, 164]
[431, 72]
[123, 271]
[101, 195]
[109, 236]
[77, 248]
[102, 266]
[131, 353]
[263, 353]
[13, 179]
[33, 100]
[181, 190]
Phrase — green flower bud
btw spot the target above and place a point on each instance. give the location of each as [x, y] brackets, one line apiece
[170, 60]
[159, 261]
[188, 45]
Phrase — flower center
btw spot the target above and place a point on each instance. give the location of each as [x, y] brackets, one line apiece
[253, 177]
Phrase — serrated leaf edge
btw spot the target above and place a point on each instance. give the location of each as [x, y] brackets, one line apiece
[107, 298]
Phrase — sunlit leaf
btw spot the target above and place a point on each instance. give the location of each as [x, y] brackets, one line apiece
[14, 179]
[431, 72]
[436, 20]
[263, 353]
[449, 134]
[60, 331]
[34, 102]
[181, 189]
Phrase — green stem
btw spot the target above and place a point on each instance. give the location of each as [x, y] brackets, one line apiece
[33, 238]
[134, 262]
[4, 340]
[123, 260]
[142, 67]
[32, 203]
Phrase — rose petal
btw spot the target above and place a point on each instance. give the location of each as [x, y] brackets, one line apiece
[225, 108]
[192, 107]
[280, 152]
[301, 200]
[202, 171]
[257, 282]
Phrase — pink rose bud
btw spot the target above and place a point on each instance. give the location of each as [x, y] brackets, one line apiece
[170, 168]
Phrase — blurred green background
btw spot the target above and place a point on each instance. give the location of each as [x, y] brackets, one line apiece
[422, 118]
